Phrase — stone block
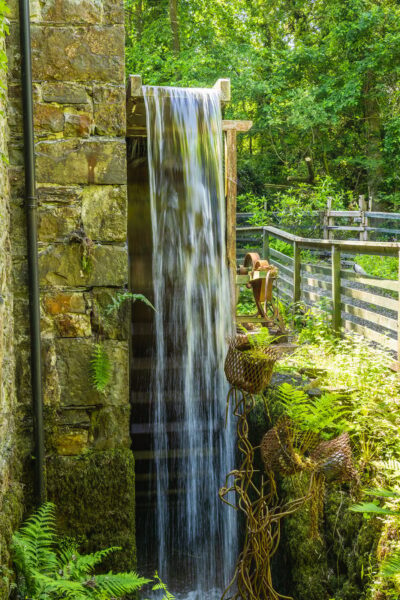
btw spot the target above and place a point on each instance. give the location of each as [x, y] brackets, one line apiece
[73, 325]
[114, 11]
[77, 161]
[78, 53]
[74, 372]
[110, 428]
[104, 213]
[64, 302]
[65, 93]
[77, 124]
[70, 443]
[48, 119]
[72, 11]
[114, 325]
[55, 223]
[61, 265]
[109, 110]
[95, 498]
[59, 195]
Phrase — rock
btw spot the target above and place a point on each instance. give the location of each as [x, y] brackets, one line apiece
[57, 222]
[59, 195]
[78, 124]
[109, 110]
[74, 372]
[70, 443]
[61, 265]
[114, 325]
[48, 119]
[110, 428]
[73, 325]
[72, 11]
[65, 93]
[77, 161]
[64, 302]
[78, 53]
[104, 213]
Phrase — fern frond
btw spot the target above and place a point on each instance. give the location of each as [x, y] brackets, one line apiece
[371, 508]
[61, 588]
[160, 585]
[80, 565]
[391, 565]
[121, 298]
[114, 585]
[101, 370]
[33, 545]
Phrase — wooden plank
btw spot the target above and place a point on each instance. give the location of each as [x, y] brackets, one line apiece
[316, 268]
[312, 296]
[240, 126]
[296, 272]
[265, 243]
[350, 214]
[231, 196]
[383, 230]
[314, 282]
[336, 299]
[369, 315]
[344, 228]
[287, 281]
[384, 284]
[280, 256]
[371, 334]
[398, 317]
[383, 215]
[283, 269]
[370, 298]
[223, 86]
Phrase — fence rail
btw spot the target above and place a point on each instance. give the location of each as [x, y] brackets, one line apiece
[364, 304]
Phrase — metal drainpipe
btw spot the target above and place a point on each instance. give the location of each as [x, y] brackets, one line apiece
[33, 269]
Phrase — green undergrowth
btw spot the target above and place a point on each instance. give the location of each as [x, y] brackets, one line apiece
[355, 378]
[385, 267]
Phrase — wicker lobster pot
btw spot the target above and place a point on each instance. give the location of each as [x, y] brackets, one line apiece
[246, 371]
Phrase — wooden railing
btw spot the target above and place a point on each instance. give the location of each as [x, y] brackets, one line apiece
[367, 305]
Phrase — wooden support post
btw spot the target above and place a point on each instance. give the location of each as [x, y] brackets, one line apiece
[296, 273]
[231, 192]
[398, 317]
[330, 220]
[336, 296]
[265, 248]
[362, 204]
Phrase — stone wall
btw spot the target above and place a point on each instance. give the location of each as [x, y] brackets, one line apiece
[79, 120]
[10, 486]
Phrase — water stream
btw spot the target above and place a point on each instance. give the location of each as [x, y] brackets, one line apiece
[196, 533]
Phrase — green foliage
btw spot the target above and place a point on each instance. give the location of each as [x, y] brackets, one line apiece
[100, 368]
[123, 297]
[47, 569]
[246, 304]
[160, 585]
[318, 415]
[317, 78]
[385, 267]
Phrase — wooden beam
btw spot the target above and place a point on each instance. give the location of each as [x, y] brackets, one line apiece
[239, 126]
[336, 296]
[231, 195]
[223, 86]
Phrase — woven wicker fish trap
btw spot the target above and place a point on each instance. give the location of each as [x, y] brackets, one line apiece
[246, 369]
[334, 459]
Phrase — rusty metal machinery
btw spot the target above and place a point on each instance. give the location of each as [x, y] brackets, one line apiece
[262, 278]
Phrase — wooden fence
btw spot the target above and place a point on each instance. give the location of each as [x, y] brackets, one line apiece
[366, 305]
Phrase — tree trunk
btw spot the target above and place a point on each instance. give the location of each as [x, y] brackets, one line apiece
[139, 19]
[173, 17]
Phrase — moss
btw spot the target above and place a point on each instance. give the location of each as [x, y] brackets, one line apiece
[95, 498]
[10, 517]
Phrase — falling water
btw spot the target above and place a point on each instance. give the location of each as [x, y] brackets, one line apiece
[196, 534]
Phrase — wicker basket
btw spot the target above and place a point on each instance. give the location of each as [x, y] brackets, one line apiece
[245, 371]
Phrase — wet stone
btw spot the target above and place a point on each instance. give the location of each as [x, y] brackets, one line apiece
[71, 443]
[63, 302]
[104, 212]
[65, 93]
[109, 110]
[57, 222]
[48, 119]
[72, 11]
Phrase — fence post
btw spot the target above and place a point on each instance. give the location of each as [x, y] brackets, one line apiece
[296, 273]
[336, 299]
[329, 220]
[398, 316]
[265, 244]
[362, 204]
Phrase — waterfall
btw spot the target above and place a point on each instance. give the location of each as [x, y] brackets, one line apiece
[196, 533]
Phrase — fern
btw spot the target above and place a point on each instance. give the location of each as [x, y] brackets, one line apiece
[100, 367]
[160, 585]
[319, 415]
[121, 298]
[48, 571]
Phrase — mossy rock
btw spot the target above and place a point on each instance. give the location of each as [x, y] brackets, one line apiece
[95, 498]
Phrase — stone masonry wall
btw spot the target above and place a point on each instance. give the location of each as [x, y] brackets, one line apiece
[79, 120]
[10, 487]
